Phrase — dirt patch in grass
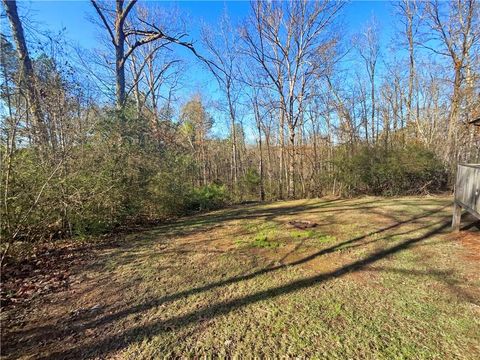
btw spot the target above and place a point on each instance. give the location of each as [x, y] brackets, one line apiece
[44, 270]
[470, 241]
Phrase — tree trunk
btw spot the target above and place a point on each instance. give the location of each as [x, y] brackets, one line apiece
[372, 90]
[120, 70]
[282, 154]
[154, 119]
[411, 78]
[409, 14]
[260, 166]
[40, 134]
[292, 164]
[453, 116]
[234, 168]
[136, 87]
[119, 55]
[260, 170]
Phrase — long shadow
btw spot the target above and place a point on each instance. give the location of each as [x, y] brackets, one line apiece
[193, 224]
[198, 222]
[203, 222]
[140, 333]
[345, 245]
[226, 282]
[79, 324]
[446, 277]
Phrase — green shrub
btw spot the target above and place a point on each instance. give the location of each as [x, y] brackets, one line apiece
[167, 195]
[395, 171]
[249, 185]
[208, 197]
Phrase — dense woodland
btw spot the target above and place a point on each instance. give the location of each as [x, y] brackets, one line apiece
[93, 142]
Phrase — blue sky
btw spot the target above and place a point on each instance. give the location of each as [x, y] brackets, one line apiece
[72, 17]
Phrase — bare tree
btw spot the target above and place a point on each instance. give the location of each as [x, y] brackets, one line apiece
[368, 47]
[143, 31]
[289, 42]
[150, 69]
[224, 52]
[409, 16]
[28, 80]
[454, 25]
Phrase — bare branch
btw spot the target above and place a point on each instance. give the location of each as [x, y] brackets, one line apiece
[104, 20]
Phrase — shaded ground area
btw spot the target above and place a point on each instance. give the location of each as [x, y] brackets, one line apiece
[375, 278]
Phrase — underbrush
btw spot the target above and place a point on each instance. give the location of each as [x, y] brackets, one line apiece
[387, 171]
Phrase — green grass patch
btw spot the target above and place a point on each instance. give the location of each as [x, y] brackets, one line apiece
[260, 234]
[325, 239]
[264, 242]
[302, 234]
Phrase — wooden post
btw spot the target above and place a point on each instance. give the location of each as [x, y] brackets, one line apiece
[457, 216]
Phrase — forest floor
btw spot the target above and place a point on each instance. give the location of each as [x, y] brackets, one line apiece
[376, 278]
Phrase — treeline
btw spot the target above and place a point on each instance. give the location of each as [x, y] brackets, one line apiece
[312, 111]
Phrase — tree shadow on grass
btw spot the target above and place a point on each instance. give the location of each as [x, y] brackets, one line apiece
[189, 225]
[136, 334]
[446, 277]
[348, 244]
[202, 223]
[79, 324]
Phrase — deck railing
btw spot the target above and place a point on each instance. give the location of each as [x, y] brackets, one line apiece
[467, 192]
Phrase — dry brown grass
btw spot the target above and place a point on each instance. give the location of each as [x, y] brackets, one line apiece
[377, 278]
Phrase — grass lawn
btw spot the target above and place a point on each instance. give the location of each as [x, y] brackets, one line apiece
[377, 278]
